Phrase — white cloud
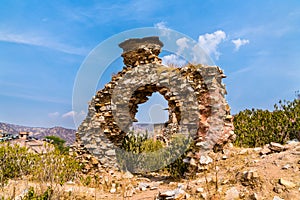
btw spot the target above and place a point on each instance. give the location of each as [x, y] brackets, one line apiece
[238, 43]
[173, 59]
[69, 114]
[210, 42]
[182, 44]
[54, 114]
[201, 51]
[36, 40]
[200, 56]
[74, 114]
[160, 25]
[165, 31]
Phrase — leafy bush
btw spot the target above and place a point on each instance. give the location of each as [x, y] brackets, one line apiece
[143, 154]
[259, 127]
[31, 194]
[15, 161]
[178, 149]
[58, 143]
[53, 167]
[138, 153]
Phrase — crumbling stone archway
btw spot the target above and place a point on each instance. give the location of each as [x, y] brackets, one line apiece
[135, 86]
[195, 95]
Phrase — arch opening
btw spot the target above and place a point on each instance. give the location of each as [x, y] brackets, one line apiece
[152, 116]
[153, 111]
[142, 94]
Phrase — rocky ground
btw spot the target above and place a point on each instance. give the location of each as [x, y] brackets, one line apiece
[271, 172]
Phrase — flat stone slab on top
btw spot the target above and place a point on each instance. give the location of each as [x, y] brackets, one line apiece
[136, 43]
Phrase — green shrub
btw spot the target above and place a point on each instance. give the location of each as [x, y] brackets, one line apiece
[138, 153]
[142, 154]
[178, 149]
[15, 161]
[257, 127]
[31, 194]
[59, 143]
[53, 167]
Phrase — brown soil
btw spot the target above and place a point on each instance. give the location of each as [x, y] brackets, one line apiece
[224, 174]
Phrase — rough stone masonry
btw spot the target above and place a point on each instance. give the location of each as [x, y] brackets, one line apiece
[195, 95]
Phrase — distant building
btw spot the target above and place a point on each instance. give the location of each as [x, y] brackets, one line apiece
[6, 136]
[24, 134]
[25, 139]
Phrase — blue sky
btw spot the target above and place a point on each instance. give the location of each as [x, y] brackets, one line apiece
[44, 43]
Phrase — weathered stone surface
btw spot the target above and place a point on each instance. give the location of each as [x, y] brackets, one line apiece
[232, 193]
[278, 188]
[200, 190]
[113, 188]
[94, 161]
[205, 160]
[128, 175]
[243, 151]
[277, 198]
[250, 178]
[265, 151]
[254, 196]
[287, 166]
[276, 147]
[141, 51]
[286, 183]
[176, 194]
[111, 152]
[129, 192]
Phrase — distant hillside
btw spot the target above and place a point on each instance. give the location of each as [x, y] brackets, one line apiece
[67, 134]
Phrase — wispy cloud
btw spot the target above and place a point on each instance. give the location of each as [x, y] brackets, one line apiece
[162, 26]
[238, 43]
[182, 43]
[36, 40]
[240, 71]
[54, 114]
[72, 114]
[69, 114]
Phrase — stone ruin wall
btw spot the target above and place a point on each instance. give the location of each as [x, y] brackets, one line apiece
[195, 95]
